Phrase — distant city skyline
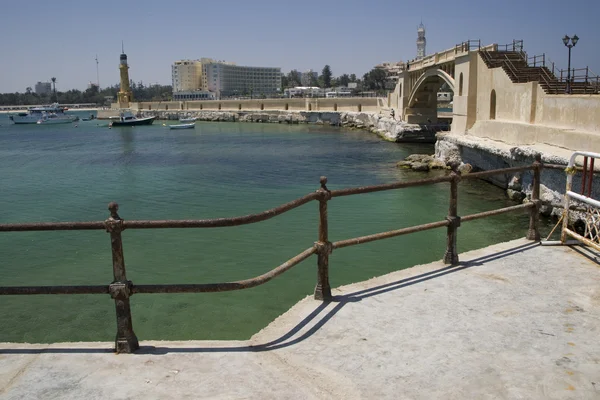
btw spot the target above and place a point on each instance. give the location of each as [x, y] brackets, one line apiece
[351, 37]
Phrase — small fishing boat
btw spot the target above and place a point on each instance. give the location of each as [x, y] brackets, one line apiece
[182, 126]
[187, 120]
[128, 119]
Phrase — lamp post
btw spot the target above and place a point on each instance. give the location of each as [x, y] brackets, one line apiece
[570, 42]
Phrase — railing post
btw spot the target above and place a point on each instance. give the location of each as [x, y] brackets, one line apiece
[534, 213]
[120, 288]
[323, 289]
[451, 256]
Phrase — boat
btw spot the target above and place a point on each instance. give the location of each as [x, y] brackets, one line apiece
[53, 118]
[186, 120]
[182, 126]
[126, 118]
[91, 118]
[35, 114]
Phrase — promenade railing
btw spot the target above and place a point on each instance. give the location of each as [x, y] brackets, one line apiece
[121, 289]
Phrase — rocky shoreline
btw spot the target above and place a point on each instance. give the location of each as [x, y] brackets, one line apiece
[518, 186]
[387, 128]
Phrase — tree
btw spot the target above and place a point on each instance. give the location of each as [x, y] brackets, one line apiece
[28, 90]
[344, 80]
[294, 78]
[326, 76]
[53, 79]
[352, 78]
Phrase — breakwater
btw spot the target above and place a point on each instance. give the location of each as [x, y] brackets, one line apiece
[386, 127]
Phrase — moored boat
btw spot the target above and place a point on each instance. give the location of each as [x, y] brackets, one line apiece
[182, 126]
[35, 114]
[52, 119]
[127, 118]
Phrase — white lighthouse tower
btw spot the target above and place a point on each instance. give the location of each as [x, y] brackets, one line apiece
[421, 41]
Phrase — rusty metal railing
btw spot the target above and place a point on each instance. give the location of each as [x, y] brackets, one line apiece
[121, 289]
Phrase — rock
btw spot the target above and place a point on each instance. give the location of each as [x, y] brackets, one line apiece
[419, 166]
[515, 183]
[515, 195]
[422, 158]
[437, 164]
[404, 164]
[465, 168]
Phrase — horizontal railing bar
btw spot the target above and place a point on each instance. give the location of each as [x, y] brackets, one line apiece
[584, 199]
[582, 239]
[389, 234]
[142, 224]
[227, 286]
[15, 290]
[52, 226]
[504, 210]
[388, 186]
[222, 222]
[475, 175]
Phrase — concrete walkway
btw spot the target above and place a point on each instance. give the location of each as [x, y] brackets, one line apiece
[513, 321]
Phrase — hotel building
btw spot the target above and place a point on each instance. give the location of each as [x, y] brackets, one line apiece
[208, 78]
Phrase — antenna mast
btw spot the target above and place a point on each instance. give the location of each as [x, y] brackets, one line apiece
[97, 73]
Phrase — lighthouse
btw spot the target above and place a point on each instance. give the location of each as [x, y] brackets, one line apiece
[124, 96]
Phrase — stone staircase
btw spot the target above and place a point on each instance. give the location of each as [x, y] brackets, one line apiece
[515, 64]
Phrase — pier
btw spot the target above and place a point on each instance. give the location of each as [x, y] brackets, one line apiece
[513, 320]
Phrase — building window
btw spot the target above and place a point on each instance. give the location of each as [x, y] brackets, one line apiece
[460, 84]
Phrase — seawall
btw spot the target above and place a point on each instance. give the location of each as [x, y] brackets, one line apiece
[386, 127]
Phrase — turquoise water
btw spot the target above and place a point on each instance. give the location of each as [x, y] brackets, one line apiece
[71, 173]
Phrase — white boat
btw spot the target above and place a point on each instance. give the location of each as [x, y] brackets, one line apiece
[182, 126]
[35, 114]
[186, 120]
[53, 118]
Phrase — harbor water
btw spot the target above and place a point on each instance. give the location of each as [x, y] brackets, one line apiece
[71, 172]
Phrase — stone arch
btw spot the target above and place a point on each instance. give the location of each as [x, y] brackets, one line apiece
[334, 106]
[431, 75]
[460, 84]
[309, 107]
[493, 104]
[360, 108]
[287, 106]
[149, 106]
[262, 106]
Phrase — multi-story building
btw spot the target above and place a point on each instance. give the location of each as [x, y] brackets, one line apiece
[186, 75]
[222, 79]
[421, 41]
[43, 88]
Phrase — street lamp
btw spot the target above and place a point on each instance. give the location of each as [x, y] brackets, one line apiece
[570, 42]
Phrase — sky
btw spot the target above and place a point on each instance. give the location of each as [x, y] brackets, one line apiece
[42, 39]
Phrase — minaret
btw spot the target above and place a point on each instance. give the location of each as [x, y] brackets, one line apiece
[124, 96]
[421, 41]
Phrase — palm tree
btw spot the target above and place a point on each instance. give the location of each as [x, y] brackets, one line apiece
[53, 79]
[28, 90]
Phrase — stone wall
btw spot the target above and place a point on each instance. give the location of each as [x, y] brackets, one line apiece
[486, 155]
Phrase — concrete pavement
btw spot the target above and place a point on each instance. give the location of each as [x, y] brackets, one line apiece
[514, 321]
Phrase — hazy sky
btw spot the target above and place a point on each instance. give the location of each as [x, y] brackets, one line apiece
[41, 39]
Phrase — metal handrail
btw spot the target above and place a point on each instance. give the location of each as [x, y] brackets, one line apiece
[587, 177]
[121, 289]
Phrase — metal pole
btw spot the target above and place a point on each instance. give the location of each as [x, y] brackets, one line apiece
[534, 213]
[323, 289]
[451, 255]
[568, 90]
[120, 288]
